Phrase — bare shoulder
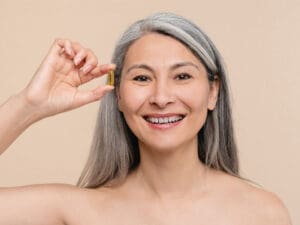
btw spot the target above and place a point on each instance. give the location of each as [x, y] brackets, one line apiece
[85, 205]
[265, 206]
[269, 207]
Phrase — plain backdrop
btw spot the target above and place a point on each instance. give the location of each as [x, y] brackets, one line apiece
[259, 40]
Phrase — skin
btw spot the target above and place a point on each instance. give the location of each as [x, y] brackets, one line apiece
[170, 186]
[168, 153]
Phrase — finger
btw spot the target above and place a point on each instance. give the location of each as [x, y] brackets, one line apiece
[73, 47]
[80, 56]
[91, 62]
[85, 97]
[77, 46]
[103, 69]
[57, 47]
[63, 46]
[97, 72]
[68, 47]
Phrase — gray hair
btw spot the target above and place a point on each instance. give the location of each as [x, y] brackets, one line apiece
[114, 151]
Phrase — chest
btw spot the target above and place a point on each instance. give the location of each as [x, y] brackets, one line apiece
[143, 215]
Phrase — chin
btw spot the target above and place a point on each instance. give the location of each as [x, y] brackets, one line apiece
[166, 146]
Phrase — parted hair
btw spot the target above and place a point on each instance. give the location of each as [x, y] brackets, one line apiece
[114, 151]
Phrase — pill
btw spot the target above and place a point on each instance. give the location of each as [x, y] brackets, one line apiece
[111, 78]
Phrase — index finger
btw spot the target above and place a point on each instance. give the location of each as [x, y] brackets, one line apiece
[62, 45]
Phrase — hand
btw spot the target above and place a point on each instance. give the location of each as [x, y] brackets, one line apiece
[54, 87]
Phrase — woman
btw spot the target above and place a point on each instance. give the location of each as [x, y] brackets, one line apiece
[163, 150]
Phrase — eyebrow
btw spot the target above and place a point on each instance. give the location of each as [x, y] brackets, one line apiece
[173, 67]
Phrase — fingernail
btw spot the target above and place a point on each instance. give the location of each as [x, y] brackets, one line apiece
[77, 60]
[86, 69]
[69, 51]
[72, 53]
[109, 90]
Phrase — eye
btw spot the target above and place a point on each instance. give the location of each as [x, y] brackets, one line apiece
[141, 78]
[183, 76]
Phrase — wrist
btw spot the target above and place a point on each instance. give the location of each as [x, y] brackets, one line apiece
[26, 113]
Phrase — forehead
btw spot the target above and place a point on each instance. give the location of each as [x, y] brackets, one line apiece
[159, 49]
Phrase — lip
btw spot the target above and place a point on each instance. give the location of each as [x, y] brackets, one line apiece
[164, 126]
[163, 115]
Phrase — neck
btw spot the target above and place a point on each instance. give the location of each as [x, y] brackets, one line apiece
[172, 174]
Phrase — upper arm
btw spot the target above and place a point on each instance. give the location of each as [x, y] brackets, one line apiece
[32, 205]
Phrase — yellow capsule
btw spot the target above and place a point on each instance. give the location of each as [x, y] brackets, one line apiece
[111, 78]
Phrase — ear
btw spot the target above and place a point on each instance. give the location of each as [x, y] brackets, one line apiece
[213, 93]
[119, 99]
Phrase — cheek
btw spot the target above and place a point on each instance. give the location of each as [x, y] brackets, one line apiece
[131, 98]
[195, 97]
[196, 100]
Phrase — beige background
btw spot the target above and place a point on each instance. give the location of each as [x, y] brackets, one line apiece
[259, 40]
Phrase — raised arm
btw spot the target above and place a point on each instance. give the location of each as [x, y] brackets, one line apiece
[53, 89]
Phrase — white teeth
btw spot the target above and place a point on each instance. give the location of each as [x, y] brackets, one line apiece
[162, 120]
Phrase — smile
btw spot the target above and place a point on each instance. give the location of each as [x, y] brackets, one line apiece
[163, 119]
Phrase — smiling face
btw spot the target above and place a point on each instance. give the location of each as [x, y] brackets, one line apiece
[164, 93]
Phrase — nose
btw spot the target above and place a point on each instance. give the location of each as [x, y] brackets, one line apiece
[162, 95]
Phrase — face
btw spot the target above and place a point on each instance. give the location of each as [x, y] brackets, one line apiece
[164, 93]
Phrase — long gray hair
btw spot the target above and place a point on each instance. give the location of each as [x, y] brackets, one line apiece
[114, 151]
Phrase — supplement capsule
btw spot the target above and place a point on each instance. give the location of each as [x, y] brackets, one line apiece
[111, 78]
